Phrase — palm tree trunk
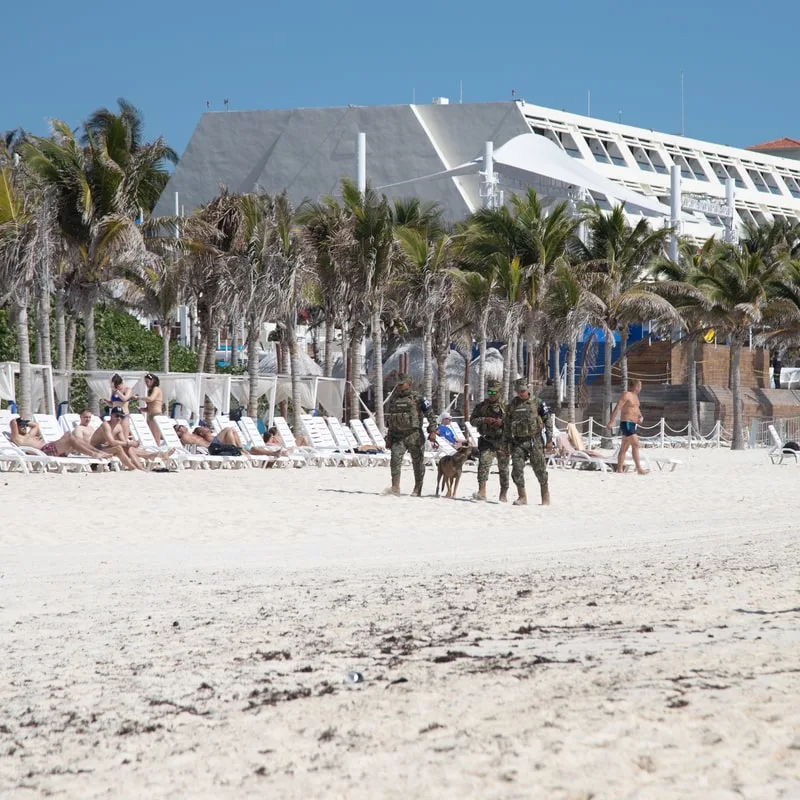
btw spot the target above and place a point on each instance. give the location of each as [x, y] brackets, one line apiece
[607, 351]
[441, 379]
[356, 337]
[467, 365]
[736, 392]
[572, 354]
[252, 372]
[90, 337]
[691, 365]
[427, 361]
[377, 357]
[294, 363]
[166, 332]
[329, 334]
[235, 343]
[72, 335]
[61, 331]
[482, 355]
[521, 353]
[508, 355]
[25, 375]
[623, 346]
[557, 375]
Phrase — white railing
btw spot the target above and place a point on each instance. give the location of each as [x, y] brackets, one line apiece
[659, 435]
[788, 429]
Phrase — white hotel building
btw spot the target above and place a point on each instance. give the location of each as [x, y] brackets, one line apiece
[439, 152]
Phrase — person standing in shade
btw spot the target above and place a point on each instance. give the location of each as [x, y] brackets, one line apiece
[776, 368]
[526, 417]
[404, 417]
[488, 417]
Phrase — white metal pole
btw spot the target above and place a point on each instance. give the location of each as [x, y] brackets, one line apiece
[177, 206]
[662, 433]
[361, 166]
[488, 174]
[674, 209]
[689, 431]
[591, 431]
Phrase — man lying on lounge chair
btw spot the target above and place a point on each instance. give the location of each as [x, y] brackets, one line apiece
[26, 433]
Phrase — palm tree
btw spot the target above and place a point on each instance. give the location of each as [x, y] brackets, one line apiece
[100, 187]
[737, 286]
[424, 284]
[268, 281]
[536, 236]
[475, 297]
[571, 305]
[367, 252]
[618, 256]
[323, 223]
[678, 282]
[18, 259]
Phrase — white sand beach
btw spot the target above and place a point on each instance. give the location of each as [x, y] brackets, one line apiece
[188, 636]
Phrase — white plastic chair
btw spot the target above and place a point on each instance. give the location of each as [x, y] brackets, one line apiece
[320, 436]
[778, 454]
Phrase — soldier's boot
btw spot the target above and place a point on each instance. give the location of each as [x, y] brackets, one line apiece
[481, 493]
[395, 489]
[504, 495]
[545, 494]
[417, 489]
[522, 500]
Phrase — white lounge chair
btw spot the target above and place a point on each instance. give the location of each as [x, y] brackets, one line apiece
[250, 434]
[24, 460]
[51, 432]
[473, 432]
[347, 443]
[290, 443]
[778, 454]
[360, 438]
[457, 432]
[320, 436]
[141, 430]
[193, 460]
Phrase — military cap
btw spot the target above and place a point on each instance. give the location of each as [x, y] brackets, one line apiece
[496, 385]
[403, 377]
[521, 385]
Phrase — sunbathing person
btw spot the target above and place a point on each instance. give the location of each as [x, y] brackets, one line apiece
[102, 438]
[26, 433]
[273, 444]
[119, 428]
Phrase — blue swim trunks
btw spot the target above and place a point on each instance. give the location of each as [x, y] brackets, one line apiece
[627, 428]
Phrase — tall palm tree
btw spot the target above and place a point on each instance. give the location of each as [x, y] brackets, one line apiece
[368, 254]
[571, 305]
[678, 282]
[18, 259]
[737, 286]
[268, 281]
[619, 256]
[101, 185]
[324, 222]
[424, 284]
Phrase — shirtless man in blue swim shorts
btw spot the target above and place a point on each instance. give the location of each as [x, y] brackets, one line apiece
[630, 416]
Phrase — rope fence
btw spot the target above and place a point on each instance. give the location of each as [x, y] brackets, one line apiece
[660, 434]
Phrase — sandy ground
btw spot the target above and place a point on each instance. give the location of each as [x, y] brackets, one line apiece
[189, 635]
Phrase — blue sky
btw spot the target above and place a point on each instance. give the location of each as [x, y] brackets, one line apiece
[169, 58]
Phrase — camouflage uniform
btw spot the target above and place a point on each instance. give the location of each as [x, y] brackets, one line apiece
[491, 442]
[522, 432]
[404, 417]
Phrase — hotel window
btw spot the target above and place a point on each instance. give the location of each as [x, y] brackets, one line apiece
[792, 186]
[614, 152]
[772, 184]
[641, 158]
[758, 181]
[598, 151]
[694, 166]
[680, 161]
[568, 143]
[657, 162]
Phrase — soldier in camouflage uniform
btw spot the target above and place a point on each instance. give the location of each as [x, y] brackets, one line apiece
[404, 417]
[522, 432]
[488, 417]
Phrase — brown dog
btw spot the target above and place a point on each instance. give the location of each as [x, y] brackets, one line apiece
[450, 470]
